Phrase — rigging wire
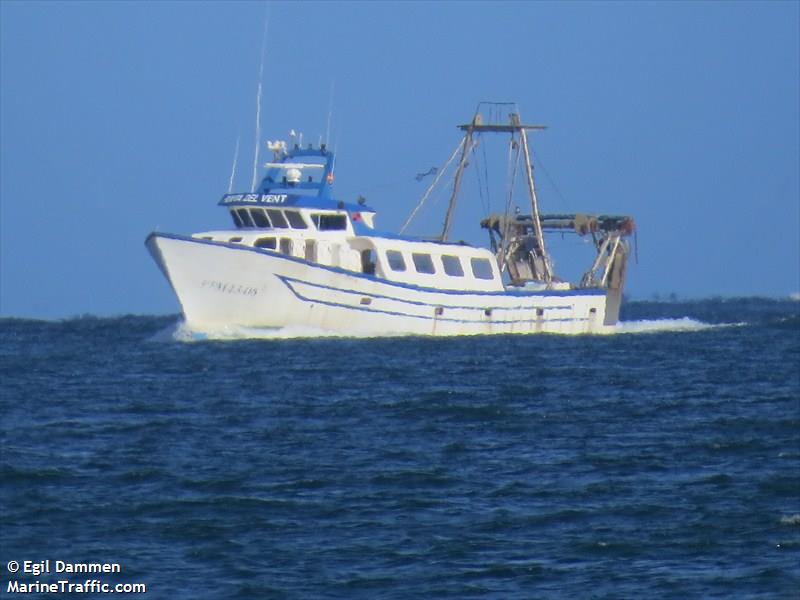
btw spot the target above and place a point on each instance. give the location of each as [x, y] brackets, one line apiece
[447, 185]
[513, 166]
[433, 184]
[552, 182]
[484, 201]
[511, 172]
[438, 195]
[486, 180]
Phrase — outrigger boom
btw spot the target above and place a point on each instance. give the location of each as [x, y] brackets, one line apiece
[518, 240]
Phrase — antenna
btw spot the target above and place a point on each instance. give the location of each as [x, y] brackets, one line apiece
[332, 174]
[258, 97]
[330, 114]
[233, 167]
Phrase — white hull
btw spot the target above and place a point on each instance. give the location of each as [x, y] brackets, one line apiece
[221, 284]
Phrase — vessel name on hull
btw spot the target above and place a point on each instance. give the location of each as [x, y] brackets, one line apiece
[256, 198]
[229, 288]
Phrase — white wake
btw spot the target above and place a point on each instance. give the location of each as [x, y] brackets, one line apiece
[666, 325]
[181, 332]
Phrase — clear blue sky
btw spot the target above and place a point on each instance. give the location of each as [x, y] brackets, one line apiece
[119, 118]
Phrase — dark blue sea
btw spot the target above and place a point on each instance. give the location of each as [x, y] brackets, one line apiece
[661, 462]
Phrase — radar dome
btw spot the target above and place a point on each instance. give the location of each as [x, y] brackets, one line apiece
[293, 175]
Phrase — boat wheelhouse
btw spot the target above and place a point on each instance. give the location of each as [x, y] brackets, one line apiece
[297, 257]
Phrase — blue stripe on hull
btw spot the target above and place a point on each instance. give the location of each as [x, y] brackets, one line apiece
[339, 270]
[288, 281]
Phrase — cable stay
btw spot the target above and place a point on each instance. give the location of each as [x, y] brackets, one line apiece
[517, 239]
[436, 179]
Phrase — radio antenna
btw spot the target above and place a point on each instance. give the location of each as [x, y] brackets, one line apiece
[258, 97]
[330, 114]
[233, 167]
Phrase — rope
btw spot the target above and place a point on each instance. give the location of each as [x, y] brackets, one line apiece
[430, 189]
[512, 177]
[484, 201]
[486, 180]
[552, 182]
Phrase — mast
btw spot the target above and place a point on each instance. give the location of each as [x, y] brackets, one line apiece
[514, 126]
[467, 146]
[537, 223]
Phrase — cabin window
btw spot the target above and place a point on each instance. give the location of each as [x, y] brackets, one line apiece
[311, 251]
[245, 217]
[235, 240]
[268, 243]
[277, 218]
[368, 261]
[482, 268]
[452, 266]
[329, 222]
[237, 220]
[423, 263]
[286, 246]
[296, 220]
[259, 217]
[395, 260]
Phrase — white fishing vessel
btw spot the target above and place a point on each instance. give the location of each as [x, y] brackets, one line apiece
[297, 257]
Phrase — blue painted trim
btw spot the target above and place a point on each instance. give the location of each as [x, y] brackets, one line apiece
[520, 293]
[289, 280]
[300, 296]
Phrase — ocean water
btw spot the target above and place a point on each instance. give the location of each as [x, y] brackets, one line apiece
[660, 462]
